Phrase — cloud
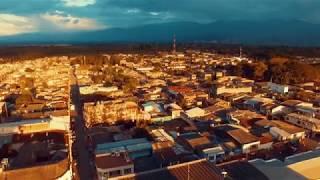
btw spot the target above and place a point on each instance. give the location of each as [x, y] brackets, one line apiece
[95, 14]
[154, 13]
[133, 11]
[56, 21]
[12, 25]
[211, 10]
[66, 22]
[78, 3]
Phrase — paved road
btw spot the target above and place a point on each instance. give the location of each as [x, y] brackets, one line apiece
[84, 167]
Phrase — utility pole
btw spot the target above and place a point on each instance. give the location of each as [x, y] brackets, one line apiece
[174, 46]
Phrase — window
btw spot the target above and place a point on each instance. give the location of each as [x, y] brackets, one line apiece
[212, 158]
[127, 171]
[114, 173]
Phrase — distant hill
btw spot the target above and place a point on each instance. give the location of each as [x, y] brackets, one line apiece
[292, 33]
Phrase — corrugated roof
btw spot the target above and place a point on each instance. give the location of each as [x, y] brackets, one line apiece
[242, 137]
[196, 170]
[131, 144]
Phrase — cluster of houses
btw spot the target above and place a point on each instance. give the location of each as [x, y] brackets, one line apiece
[185, 112]
[34, 89]
[192, 109]
[34, 119]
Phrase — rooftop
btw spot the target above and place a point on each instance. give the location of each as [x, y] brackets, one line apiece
[287, 127]
[242, 137]
[242, 170]
[300, 166]
[305, 118]
[107, 161]
[199, 169]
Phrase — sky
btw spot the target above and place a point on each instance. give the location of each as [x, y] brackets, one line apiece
[28, 16]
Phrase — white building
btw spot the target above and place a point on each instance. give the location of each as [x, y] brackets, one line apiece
[278, 88]
[247, 141]
[303, 121]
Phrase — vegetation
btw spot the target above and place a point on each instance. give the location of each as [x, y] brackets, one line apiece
[16, 53]
[279, 70]
[112, 75]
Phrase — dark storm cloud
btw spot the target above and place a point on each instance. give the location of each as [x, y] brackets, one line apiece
[136, 12]
[224, 9]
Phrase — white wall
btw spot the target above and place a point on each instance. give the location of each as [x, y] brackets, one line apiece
[246, 147]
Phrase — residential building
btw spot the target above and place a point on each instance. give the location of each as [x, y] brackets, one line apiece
[247, 141]
[112, 165]
[308, 123]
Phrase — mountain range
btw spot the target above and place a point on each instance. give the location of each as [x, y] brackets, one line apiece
[272, 32]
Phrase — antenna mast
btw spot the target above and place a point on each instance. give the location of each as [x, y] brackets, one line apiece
[174, 46]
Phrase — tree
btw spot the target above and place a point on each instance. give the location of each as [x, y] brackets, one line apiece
[115, 59]
[260, 69]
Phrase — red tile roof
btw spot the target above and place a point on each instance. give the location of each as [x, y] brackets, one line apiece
[181, 89]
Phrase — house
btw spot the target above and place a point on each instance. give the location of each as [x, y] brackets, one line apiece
[212, 152]
[256, 103]
[274, 110]
[152, 107]
[278, 88]
[308, 111]
[244, 118]
[186, 96]
[202, 146]
[219, 109]
[167, 153]
[232, 85]
[156, 111]
[303, 121]
[283, 131]
[247, 141]
[113, 165]
[296, 103]
[97, 88]
[174, 109]
[192, 140]
[134, 147]
[193, 113]
[266, 141]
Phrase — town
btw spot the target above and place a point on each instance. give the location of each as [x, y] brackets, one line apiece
[187, 114]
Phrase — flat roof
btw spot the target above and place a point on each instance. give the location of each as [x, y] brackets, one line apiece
[131, 144]
[108, 161]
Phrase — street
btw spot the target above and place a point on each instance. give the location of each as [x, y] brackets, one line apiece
[84, 168]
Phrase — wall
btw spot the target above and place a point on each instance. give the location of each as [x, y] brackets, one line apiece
[235, 90]
[103, 174]
[278, 88]
[246, 148]
[41, 172]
